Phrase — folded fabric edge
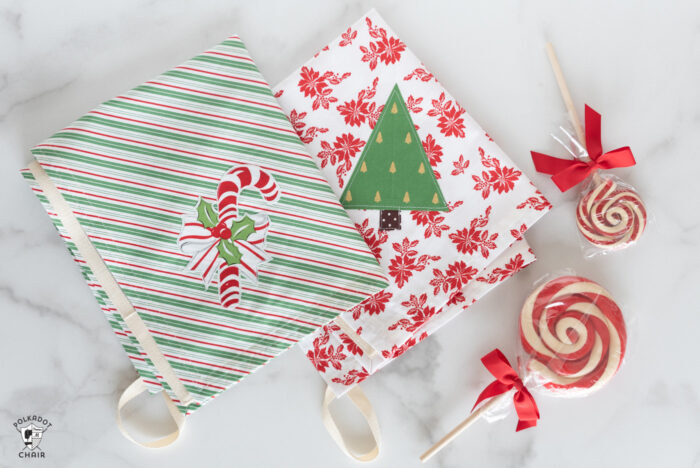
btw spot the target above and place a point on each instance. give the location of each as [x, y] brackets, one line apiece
[530, 214]
[109, 285]
[143, 366]
[131, 347]
[142, 362]
[359, 371]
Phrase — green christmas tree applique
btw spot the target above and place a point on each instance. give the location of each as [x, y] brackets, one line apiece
[393, 172]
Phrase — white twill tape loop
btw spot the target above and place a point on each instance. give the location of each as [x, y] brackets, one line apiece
[359, 399]
[109, 284]
[132, 391]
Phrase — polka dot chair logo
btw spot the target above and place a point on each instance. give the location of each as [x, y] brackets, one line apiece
[31, 429]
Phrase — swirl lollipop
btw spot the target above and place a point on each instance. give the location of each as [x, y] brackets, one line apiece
[611, 217]
[575, 338]
[574, 334]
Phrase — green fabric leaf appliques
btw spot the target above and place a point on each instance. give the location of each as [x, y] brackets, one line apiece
[240, 231]
[206, 214]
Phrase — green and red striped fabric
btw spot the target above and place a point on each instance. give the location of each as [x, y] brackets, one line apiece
[131, 168]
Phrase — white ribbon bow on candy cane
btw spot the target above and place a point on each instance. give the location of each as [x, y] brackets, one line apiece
[225, 243]
[203, 244]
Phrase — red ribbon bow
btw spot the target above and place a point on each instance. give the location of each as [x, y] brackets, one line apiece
[506, 379]
[569, 172]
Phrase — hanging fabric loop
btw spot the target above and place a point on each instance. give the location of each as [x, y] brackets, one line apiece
[136, 388]
[359, 399]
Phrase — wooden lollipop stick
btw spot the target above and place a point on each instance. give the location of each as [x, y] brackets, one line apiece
[568, 102]
[564, 89]
[471, 419]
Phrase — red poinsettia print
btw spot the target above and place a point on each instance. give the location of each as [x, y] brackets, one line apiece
[390, 49]
[323, 100]
[407, 261]
[322, 355]
[373, 239]
[537, 203]
[374, 113]
[354, 112]
[417, 314]
[317, 357]
[376, 303]
[499, 274]
[373, 305]
[456, 297]
[455, 277]
[519, 232]
[433, 220]
[352, 347]
[384, 48]
[475, 238]
[315, 85]
[345, 147]
[347, 37]
[311, 82]
[358, 111]
[420, 74]
[460, 165]
[306, 135]
[496, 178]
[326, 48]
[450, 120]
[452, 205]
[353, 377]
[434, 153]
[370, 54]
[412, 104]
[397, 351]
[327, 154]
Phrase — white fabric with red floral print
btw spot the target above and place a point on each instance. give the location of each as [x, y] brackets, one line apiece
[438, 262]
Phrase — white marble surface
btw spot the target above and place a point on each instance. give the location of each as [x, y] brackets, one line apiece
[637, 62]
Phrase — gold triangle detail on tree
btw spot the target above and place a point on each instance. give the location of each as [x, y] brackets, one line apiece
[400, 169]
[348, 196]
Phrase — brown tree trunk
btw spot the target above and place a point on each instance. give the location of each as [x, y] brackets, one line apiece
[389, 220]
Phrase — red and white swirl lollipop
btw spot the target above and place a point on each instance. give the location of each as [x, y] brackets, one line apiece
[575, 338]
[611, 217]
[574, 334]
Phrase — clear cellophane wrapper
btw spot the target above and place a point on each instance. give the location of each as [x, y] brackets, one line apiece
[610, 214]
[573, 340]
[573, 336]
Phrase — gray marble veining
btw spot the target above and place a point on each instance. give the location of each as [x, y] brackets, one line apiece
[638, 63]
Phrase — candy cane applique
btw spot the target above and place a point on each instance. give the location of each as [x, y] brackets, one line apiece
[224, 241]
